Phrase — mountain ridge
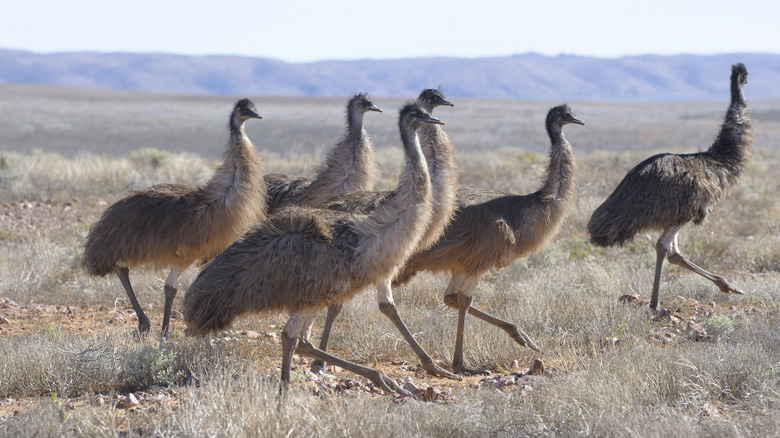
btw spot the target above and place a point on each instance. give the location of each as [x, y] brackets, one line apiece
[527, 76]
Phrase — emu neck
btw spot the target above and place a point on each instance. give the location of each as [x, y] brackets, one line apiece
[354, 123]
[415, 180]
[350, 164]
[559, 182]
[239, 172]
[443, 171]
[734, 142]
[392, 231]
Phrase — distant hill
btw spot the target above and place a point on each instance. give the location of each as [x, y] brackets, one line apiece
[647, 78]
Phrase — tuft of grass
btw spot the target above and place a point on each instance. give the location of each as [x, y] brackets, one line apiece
[719, 325]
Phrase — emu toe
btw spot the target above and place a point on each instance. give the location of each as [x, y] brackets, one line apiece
[521, 338]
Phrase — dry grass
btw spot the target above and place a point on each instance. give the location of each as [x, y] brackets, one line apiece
[609, 374]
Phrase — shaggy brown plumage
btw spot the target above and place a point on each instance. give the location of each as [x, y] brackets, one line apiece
[349, 165]
[667, 191]
[491, 229]
[171, 225]
[301, 260]
[443, 170]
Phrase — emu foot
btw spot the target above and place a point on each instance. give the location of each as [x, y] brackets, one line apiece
[386, 383]
[725, 286]
[464, 370]
[438, 371]
[143, 326]
[521, 338]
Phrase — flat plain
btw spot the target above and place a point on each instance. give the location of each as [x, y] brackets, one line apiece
[708, 364]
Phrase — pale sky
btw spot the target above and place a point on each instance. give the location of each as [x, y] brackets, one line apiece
[303, 31]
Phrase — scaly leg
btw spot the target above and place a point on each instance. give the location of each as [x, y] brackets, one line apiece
[668, 242]
[171, 287]
[376, 376]
[464, 287]
[384, 295]
[660, 253]
[143, 321]
[333, 313]
[294, 329]
[296, 334]
[516, 333]
[677, 258]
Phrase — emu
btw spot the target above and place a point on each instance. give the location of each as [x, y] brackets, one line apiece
[667, 191]
[175, 225]
[443, 170]
[349, 165]
[303, 259]
[491, 229]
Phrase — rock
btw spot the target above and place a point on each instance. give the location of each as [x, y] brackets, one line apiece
[663, 313]
[629, 298]
[411, 387]
[530, 381]
[317, 370]
[663, 337]
[537, 367]
[176, 315]
[333, 369]
[251, 334]
[431, 394]
[506, 381]
[697, 332]
[131, 401]
[4, 320]
[7, 303]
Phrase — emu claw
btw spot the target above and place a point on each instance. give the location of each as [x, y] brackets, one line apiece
[470, 371]
[387, 384]
[725, 287]
[521, 338]
[438, 371]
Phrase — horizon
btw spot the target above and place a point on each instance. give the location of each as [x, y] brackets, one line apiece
[345, 30]
[531, 53]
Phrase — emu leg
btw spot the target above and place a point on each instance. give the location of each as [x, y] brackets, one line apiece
[719, 281]
[465, 288]
[668, 241]
[171, 288]
[143, 321]
[387, 307]
[660, 251]
[296, 333]
[296, 327]
[516, 333]
[376, 376]
[333, 313]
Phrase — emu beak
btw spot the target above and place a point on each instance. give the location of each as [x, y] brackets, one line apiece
[572, 119]
[433, 120]
[445, 103]
[374, 108]
[249, 114]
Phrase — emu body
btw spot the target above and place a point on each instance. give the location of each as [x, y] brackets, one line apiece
[491, 229]
[443, 170]
[172, 225]
[302, 260]
[349, 165]
[667, 191]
